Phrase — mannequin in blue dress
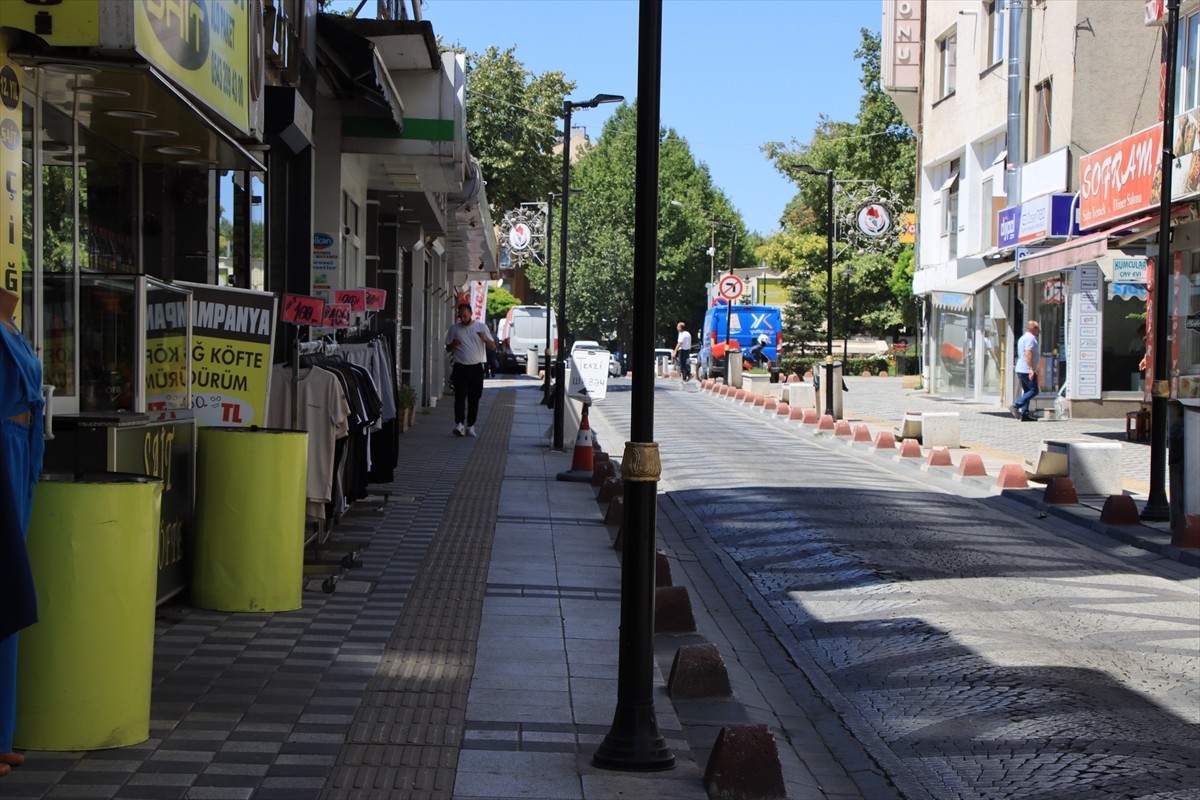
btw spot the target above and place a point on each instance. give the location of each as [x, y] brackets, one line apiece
[21, 446]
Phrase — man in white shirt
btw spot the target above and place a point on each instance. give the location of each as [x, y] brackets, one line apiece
[1028, 358]
[683, 351]
[467, 342]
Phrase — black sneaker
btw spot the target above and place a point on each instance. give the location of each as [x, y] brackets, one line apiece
[1028, 418]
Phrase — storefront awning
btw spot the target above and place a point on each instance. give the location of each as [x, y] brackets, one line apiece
[961, 293]
[1066, 255]
[354, 66]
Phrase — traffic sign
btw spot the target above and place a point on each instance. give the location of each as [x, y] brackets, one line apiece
[730, 287]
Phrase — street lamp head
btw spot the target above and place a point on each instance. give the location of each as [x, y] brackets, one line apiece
[595, 101]
[811, 170]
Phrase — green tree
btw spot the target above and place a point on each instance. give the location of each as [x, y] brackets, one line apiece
[513, 122]
[601, 236]
[499, 301]
[869, 294]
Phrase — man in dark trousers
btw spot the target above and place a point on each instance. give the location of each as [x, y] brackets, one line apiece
[468, 342]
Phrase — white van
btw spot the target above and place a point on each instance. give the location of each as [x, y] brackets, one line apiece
[523, 329]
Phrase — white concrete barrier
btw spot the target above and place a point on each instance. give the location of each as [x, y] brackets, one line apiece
[800, 395]
[1093, 467]
[940, 429]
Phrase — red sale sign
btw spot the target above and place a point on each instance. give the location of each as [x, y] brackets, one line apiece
[299, 309]
[337, 315]
[376, 299]
[355, 298]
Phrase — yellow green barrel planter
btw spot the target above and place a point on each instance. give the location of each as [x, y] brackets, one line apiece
[249, 544]
[84, 671]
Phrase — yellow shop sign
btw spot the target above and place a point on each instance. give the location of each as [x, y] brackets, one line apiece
[204, 46]
[63, 23]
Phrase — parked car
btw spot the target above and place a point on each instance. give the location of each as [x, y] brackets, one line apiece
[615, 368]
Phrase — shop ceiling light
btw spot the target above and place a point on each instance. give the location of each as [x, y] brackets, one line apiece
[178, 150]
[64, 68]
[97, 91]
[196, 162]
[159, 132]
[55, 147]
[129, 113]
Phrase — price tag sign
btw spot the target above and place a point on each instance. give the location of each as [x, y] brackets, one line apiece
[376, 299]
[337, 315]
[299, 309]
[355, 298]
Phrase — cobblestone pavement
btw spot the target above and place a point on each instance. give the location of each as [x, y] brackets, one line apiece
[974, 647]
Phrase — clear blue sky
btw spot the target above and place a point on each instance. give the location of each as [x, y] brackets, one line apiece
[734, 74]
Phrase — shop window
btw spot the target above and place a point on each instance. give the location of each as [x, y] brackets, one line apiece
[107, 207]
[995, 16]
[1050, 310]
[1123, 339]
[955, 356]
[57, 257]
[1042, 122]
[240, 236]
[1187, 86]
[947, 61]
[949, 192]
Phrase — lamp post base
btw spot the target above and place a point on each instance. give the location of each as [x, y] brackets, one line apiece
[634, 744]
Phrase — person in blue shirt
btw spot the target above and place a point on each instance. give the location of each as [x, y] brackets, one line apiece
[1028, 358]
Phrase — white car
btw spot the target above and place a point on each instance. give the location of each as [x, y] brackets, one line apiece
[615, 368]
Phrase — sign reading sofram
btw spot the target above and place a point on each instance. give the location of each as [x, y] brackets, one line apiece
[1040, 218]
[1121, 179]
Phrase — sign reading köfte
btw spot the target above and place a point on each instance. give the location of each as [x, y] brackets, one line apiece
[300, 309]
[337, 315]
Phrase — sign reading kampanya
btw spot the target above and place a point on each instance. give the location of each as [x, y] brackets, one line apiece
[233, 331]
[203, 45]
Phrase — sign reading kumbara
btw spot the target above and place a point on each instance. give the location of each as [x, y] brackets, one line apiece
[203, 45]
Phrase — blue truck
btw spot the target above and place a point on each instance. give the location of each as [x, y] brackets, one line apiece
[722, 333]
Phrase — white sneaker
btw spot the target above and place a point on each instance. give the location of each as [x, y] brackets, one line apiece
[459, 430]
[471, 431]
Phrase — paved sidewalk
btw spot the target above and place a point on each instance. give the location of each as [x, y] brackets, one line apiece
[472, 655]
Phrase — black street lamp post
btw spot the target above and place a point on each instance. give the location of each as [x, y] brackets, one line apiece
[560, 367]
[828, 173]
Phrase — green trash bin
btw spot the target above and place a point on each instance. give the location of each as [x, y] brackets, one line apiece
[84, 671]
[248, 552]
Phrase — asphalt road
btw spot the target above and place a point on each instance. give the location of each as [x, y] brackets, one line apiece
[970, 648]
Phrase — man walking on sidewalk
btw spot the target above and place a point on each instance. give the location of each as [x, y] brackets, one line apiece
[683, 352]
[467, 342]
[1026, 369]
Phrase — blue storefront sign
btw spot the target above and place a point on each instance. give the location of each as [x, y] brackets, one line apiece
[1041, 218]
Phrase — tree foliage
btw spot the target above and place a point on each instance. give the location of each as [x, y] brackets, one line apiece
[600, 235]
[499, 301]
[870, 293]
[513, 122]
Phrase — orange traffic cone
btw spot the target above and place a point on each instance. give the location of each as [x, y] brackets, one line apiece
[582, 462]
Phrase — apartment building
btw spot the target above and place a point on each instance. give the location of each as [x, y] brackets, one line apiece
[1008, 97]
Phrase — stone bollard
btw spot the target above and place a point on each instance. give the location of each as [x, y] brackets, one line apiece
[744, 765]
[1012, 476]
[861, 433]
[809, 417]
[783, 410]
[841, 428]
[909, 448]
[615, 515]
[698, 671]
[938, 457]
[662, 570]
[825, 423]
[971, 466]
[673, 610]
[612, 487]
[884, 440]
[602, 471]
[1120, 509]
[1060, 491]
